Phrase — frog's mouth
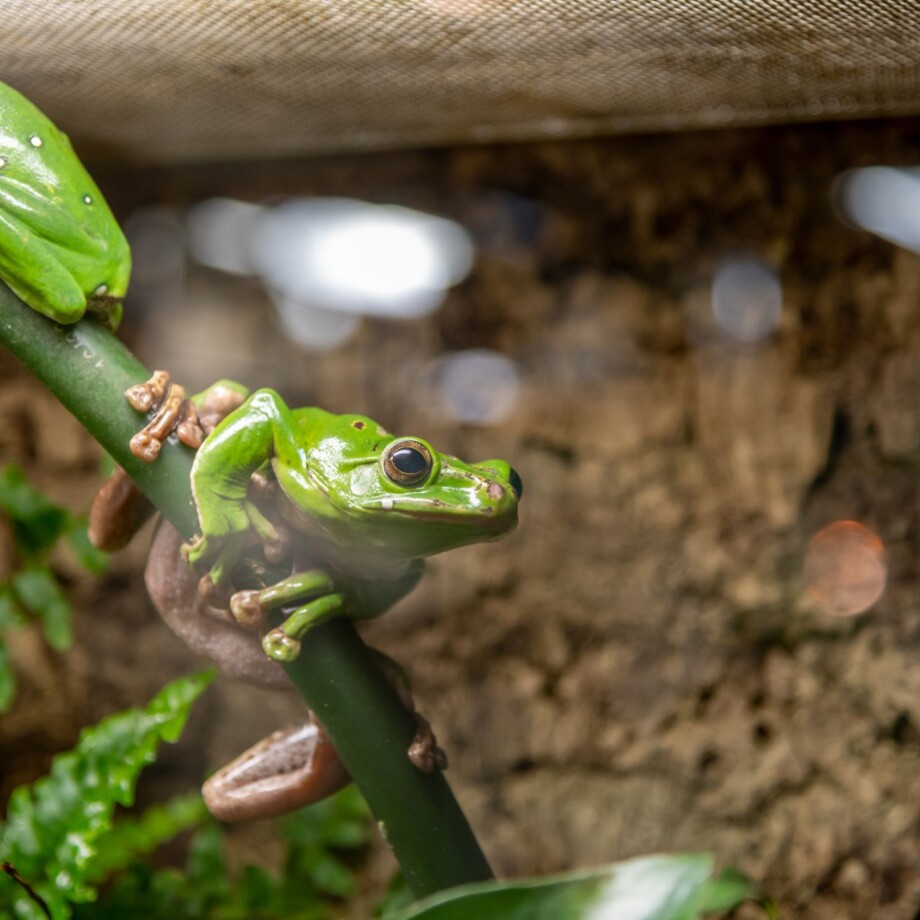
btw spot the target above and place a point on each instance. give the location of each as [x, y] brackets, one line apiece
[499, 518]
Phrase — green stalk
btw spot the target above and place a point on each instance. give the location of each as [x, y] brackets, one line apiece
[88, 370]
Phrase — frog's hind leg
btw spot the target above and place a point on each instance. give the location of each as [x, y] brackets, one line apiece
[45, 285]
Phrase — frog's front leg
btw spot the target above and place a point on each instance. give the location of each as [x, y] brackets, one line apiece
[317, 600]
[221, 475]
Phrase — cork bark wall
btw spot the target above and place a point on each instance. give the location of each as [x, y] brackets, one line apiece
[640, 667]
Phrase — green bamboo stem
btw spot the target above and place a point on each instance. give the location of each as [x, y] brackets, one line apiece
[88, 369]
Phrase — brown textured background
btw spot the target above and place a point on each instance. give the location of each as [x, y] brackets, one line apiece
[639, 667]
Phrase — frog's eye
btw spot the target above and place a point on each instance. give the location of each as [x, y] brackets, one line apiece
[407, 462]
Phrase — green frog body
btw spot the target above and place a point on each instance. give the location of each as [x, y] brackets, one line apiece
[61, 249]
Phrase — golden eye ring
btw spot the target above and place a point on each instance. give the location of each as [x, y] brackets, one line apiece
[407, 462]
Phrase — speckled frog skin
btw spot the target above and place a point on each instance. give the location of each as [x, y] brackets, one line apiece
[61, 250]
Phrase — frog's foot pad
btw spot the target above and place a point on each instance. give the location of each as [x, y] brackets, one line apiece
[247, 609]
[216, 403]
[279, 646]
[172, 412]
[216, 595]
[424, 751]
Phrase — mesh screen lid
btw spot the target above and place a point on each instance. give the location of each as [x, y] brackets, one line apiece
[170, 80]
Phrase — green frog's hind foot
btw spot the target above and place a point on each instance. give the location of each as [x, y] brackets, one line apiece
[172, 412]
[283, 642]
[250, 609]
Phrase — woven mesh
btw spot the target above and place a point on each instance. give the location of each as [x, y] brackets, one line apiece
[168, 80]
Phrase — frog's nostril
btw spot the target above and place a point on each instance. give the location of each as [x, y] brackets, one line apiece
[516, 483]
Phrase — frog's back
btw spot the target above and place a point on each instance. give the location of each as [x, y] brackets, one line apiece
[46, 189]
[354, 435]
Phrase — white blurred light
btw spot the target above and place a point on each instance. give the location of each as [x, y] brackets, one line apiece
[884, 201]
[219, 232]
[354, 257]
[477, 386]
[313, 326]
[747, 299]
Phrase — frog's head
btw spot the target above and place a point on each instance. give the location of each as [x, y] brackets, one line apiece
[398, 495]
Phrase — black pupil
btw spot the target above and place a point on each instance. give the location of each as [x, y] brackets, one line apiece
[409, 461]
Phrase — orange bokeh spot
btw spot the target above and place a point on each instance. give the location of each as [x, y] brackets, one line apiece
[845, 568]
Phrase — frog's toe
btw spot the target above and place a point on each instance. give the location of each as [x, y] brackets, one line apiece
[247, 609]
[280, 646]
[192, 551]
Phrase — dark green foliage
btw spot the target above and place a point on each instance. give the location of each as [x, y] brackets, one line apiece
[33, 592]
[55, 830]
[313, 874]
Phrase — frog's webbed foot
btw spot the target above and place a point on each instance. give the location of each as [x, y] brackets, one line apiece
[424, 751]
[289, 769]
[172, 412]
[109, 309]
[117, 513]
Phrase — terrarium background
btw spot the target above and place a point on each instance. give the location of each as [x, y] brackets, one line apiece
[188, 80]
[639, 668]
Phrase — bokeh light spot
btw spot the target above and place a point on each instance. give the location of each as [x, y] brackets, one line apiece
[355, 257]
[883, 200]
[845, 568]
[747, 299]
[478, 386]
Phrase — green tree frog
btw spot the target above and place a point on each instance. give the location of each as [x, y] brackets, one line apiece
[61, 250]
[355, 509]
[333, 515]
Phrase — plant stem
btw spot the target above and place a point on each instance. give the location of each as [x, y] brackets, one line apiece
[88, 370]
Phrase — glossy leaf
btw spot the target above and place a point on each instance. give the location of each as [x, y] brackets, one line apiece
[136, 836]
[652, 888]
[53, 828]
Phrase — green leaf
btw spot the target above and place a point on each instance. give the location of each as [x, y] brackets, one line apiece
[135, 836]
[92, 559]
[7, 678]
[53, 828]
[11, 614]
[37, 522]
[37, 590]
[652, 888]
[725, 892]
